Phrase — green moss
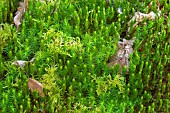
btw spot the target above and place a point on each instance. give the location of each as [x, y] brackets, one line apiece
[72, 42]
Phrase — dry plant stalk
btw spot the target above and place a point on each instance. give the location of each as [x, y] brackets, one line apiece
[34, 85]
[122, 55]
[23, 6]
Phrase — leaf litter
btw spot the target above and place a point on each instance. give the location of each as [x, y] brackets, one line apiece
[139, 17]
[125, 47]
[33, 85]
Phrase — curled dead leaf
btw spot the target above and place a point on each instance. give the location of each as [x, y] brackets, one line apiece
[34, 85]
[21, 63]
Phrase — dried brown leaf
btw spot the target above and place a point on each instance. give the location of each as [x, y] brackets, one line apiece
[122, 55]
[23, 6]
[17, 19]
[34, 85]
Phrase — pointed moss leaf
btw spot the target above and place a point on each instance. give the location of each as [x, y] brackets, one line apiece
[106, 83]
[34, 85]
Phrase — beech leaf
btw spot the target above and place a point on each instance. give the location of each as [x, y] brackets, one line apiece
[34, 85]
